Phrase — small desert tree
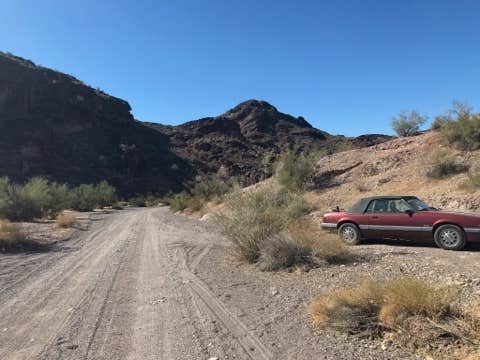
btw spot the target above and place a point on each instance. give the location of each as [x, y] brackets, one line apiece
[408, 123]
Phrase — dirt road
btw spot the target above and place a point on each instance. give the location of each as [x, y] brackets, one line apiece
[147, 284]
[124, 290]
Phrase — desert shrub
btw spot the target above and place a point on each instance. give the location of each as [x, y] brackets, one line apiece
[87, 197]
[362, 186]
[179, 202]
[22, 203]
[106, 194]
[138, 201]
[462, 127]
[440, 122]
[445, 165]
[210, 187]
[251, 217]
[408, 123]
[296, 172]
[195, 203]
[59, 199]
[39, 198]
[11, 236]
[66, 220]
[84, 198]
[303, 243]
[373, 306]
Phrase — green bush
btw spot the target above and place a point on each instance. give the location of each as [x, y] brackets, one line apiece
[84, 198]
[464, 132]
[408, 123]
[106, 194]
[444, 166]
[253, 217]
[440, 122]
[23, 203]
[210, 187]
[39, 198]
[296, 172]
[180, 201]
[138, 201]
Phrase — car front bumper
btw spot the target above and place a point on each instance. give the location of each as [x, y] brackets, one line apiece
[328, 226]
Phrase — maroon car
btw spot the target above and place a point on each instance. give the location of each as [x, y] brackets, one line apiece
[405, 218]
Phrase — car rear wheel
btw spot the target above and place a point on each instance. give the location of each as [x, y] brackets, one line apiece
[349, 233]
[450, 237]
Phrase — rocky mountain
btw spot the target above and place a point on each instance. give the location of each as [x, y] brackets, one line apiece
[239, 139]
[53, 125]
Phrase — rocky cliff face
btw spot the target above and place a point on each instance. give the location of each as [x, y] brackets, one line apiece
[53, 125]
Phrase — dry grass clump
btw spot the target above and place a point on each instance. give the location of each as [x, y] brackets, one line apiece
[11, 236]
[362, 186]
[472, 183]
[302, 244]
[66, 220]
[382, 304]
[418, 315]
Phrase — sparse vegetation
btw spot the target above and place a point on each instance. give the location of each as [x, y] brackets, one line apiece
[206, 188]
[302, 244]
[87, 197]
[362, 186]
[408, 123]
[179, 202]
[413, 310]
[66, 220]
[38, 198]
[445, 165]
[11, 236]
[461, 127]
[268, 227]
[296, 172]
[254, 216]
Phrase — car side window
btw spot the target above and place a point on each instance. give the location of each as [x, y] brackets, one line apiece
[387, 206]
[370, 207]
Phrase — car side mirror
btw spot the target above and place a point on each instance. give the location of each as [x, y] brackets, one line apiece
[336, 209]
[409, 212]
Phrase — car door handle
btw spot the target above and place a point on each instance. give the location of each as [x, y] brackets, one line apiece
[374, 217]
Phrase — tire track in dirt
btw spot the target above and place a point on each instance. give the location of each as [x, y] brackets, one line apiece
[33, 318]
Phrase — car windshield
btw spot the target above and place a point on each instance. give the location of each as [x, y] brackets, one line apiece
[418, 205]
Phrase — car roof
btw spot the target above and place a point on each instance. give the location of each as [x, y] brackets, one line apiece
[361, 205]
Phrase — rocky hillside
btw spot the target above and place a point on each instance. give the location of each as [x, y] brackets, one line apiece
[397, 167]
[53, 125]
[240, 139]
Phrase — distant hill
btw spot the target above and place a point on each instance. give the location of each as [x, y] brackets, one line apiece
[53, 125]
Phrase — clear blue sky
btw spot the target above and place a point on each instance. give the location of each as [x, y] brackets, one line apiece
[346, 66]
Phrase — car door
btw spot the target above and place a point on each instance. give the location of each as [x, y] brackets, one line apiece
[389, 219]
[383, 219]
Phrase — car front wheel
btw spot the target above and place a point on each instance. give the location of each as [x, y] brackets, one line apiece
[450, 237]
[349, 233]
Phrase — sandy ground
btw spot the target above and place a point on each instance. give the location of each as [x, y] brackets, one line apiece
[147, 284]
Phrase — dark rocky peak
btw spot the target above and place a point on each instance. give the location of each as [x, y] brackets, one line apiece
[261, 115]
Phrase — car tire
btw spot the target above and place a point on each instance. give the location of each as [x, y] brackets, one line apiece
[450, 237]
[350, 234]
